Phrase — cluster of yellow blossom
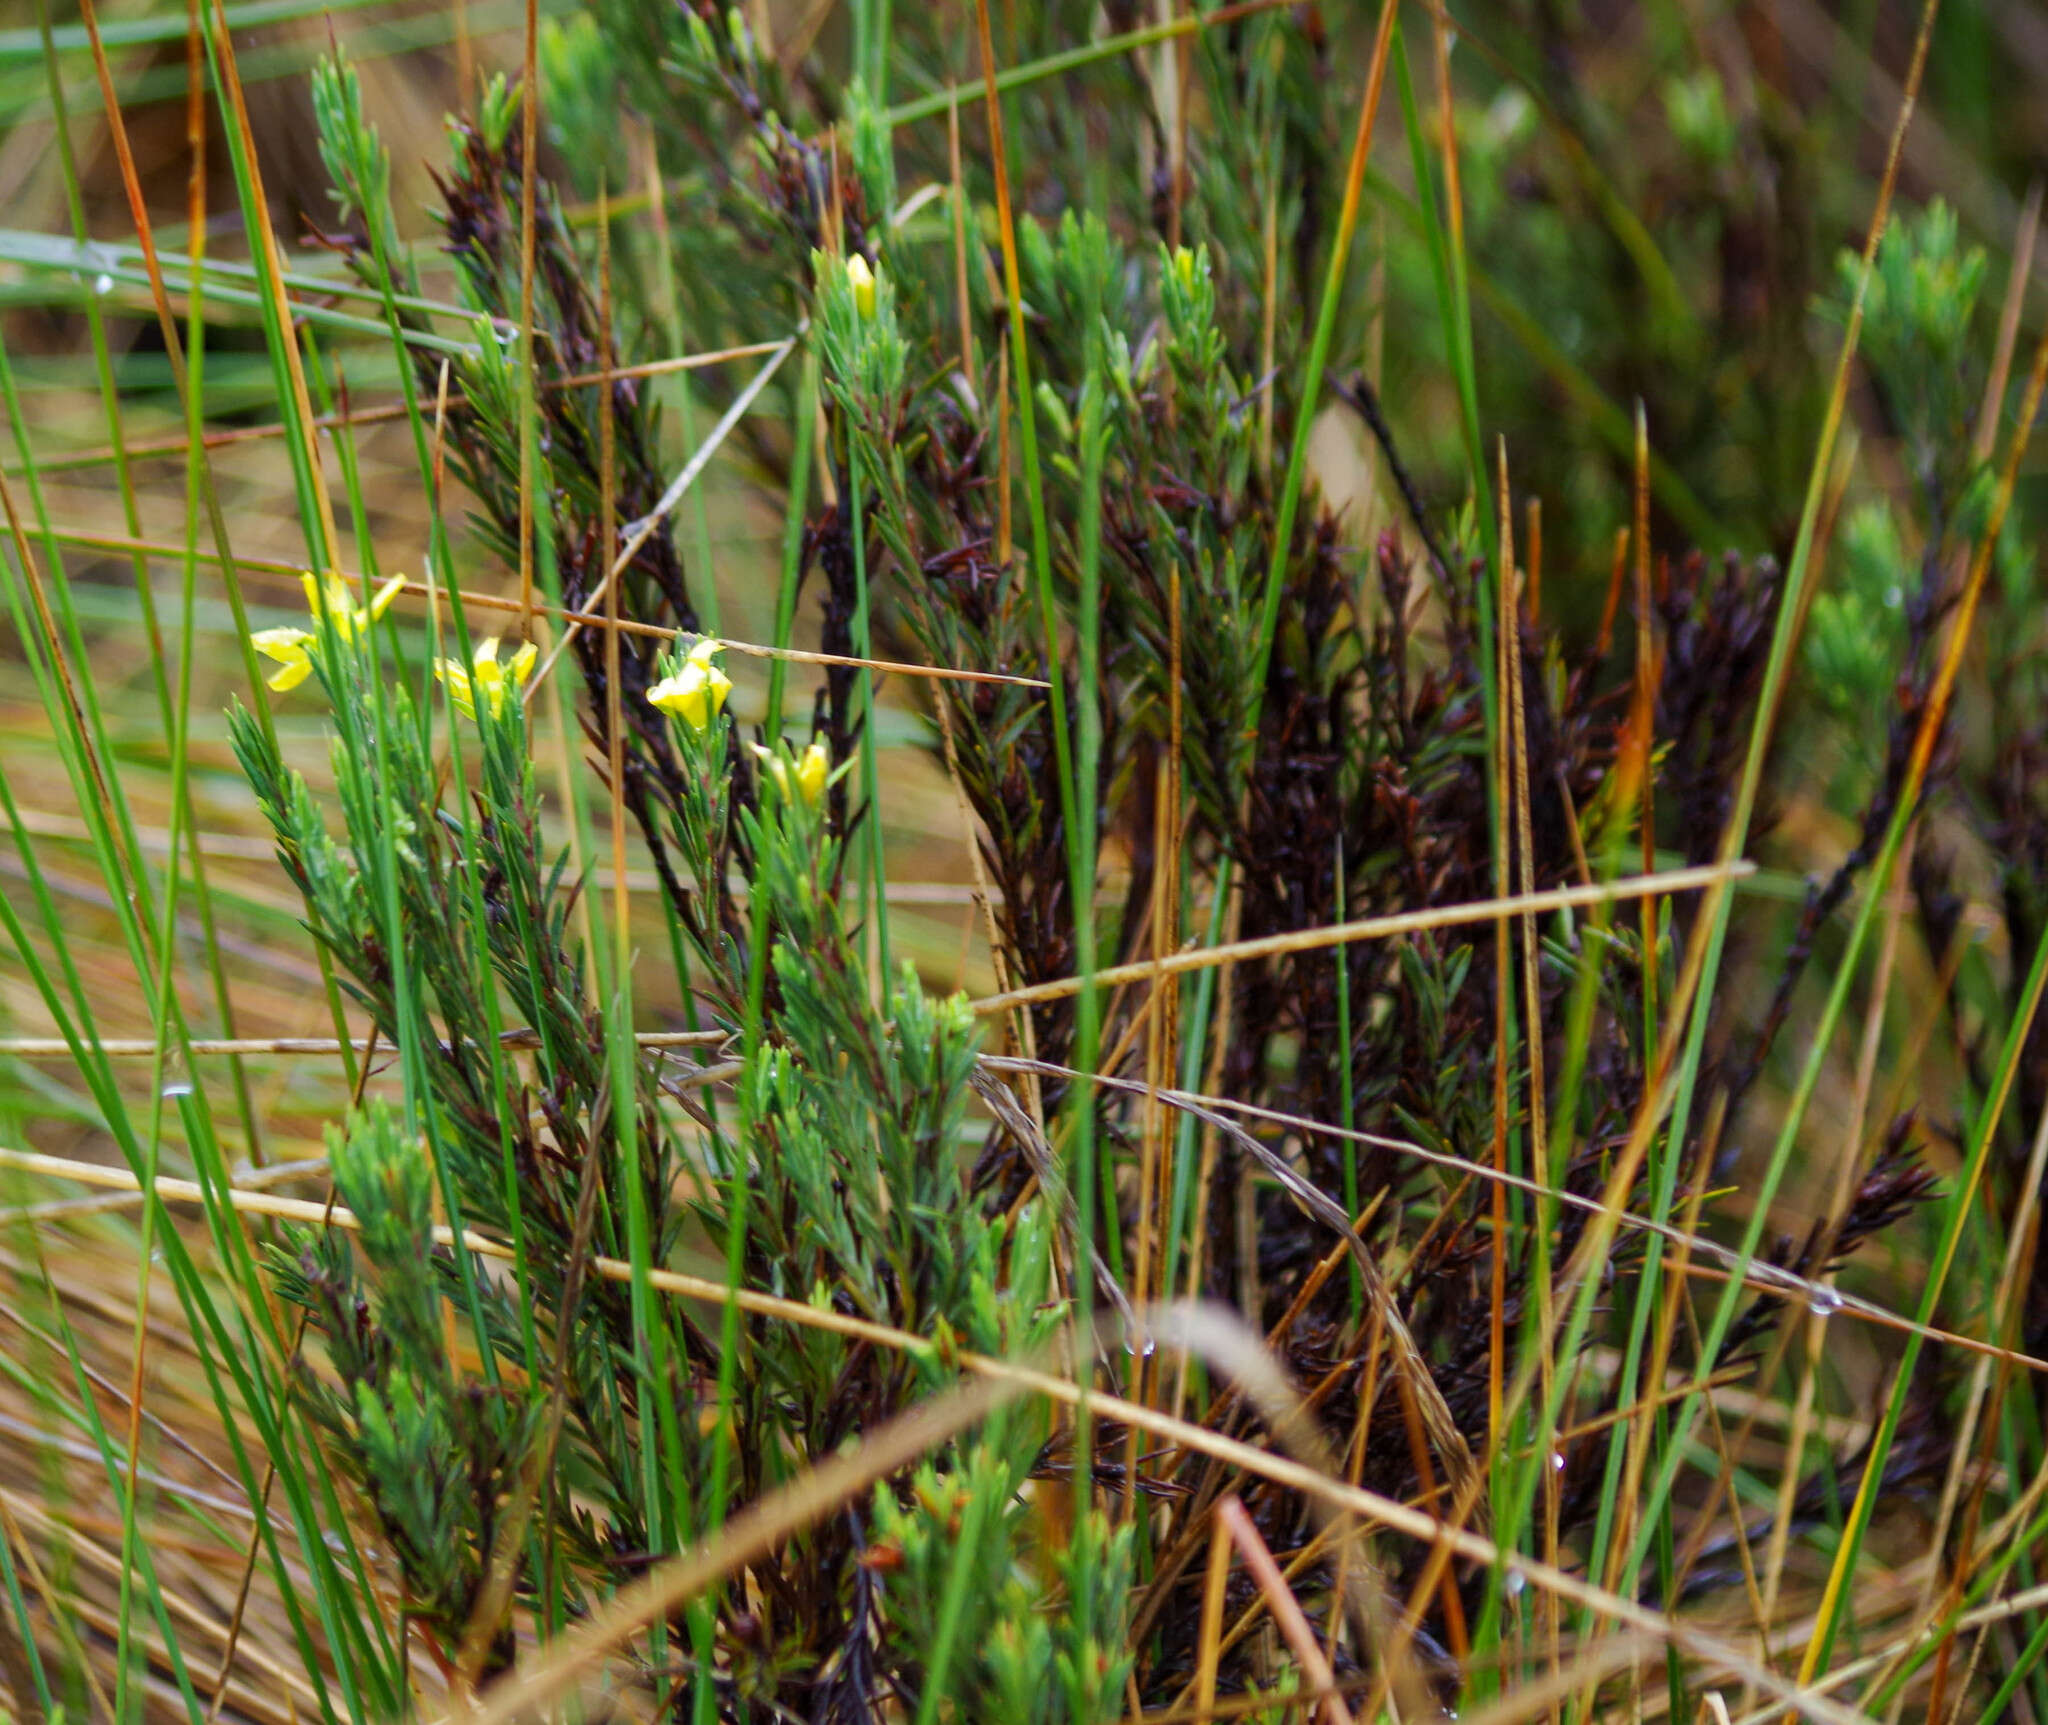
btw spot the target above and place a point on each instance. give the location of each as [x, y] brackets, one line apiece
[292, 648]
[485, 679]
[696, 693]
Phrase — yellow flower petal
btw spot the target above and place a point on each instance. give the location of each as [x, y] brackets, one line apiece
[333, 599]
[682, 696]
[521, 666]
[717, 685]
[380, 601]
[288, 648]
[488, 678]
[456, 677]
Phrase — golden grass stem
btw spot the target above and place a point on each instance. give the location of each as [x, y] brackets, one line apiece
[1380, 928]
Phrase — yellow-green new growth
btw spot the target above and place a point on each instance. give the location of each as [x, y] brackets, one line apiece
[484, 676]
[695, 693]
[862, 281]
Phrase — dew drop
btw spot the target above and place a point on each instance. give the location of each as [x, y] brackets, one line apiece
[103, 285]
[1825, 1303]
[1516, 1581]
[177, 1080]
[1557, 1460]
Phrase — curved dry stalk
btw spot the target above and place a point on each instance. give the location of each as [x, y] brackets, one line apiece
[1045, 1167]
[1759, 1276]
[751, 1534]
[1436, 1414]
[1379, 928]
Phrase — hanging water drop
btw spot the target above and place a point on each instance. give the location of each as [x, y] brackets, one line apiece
[1516, 1581]
[177, 1079]
[103, 284]
[1825, 1303]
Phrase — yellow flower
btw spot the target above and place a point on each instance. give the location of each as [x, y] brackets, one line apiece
[486, 677]
[812, 773]
[813, 768]
[288, 648]
[334, 599]
[863, 281]
[696, 693]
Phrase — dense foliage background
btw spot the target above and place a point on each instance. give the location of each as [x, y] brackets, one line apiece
[1218, 892]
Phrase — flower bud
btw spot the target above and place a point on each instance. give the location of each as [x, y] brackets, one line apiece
[805, 781]
[862, 280]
